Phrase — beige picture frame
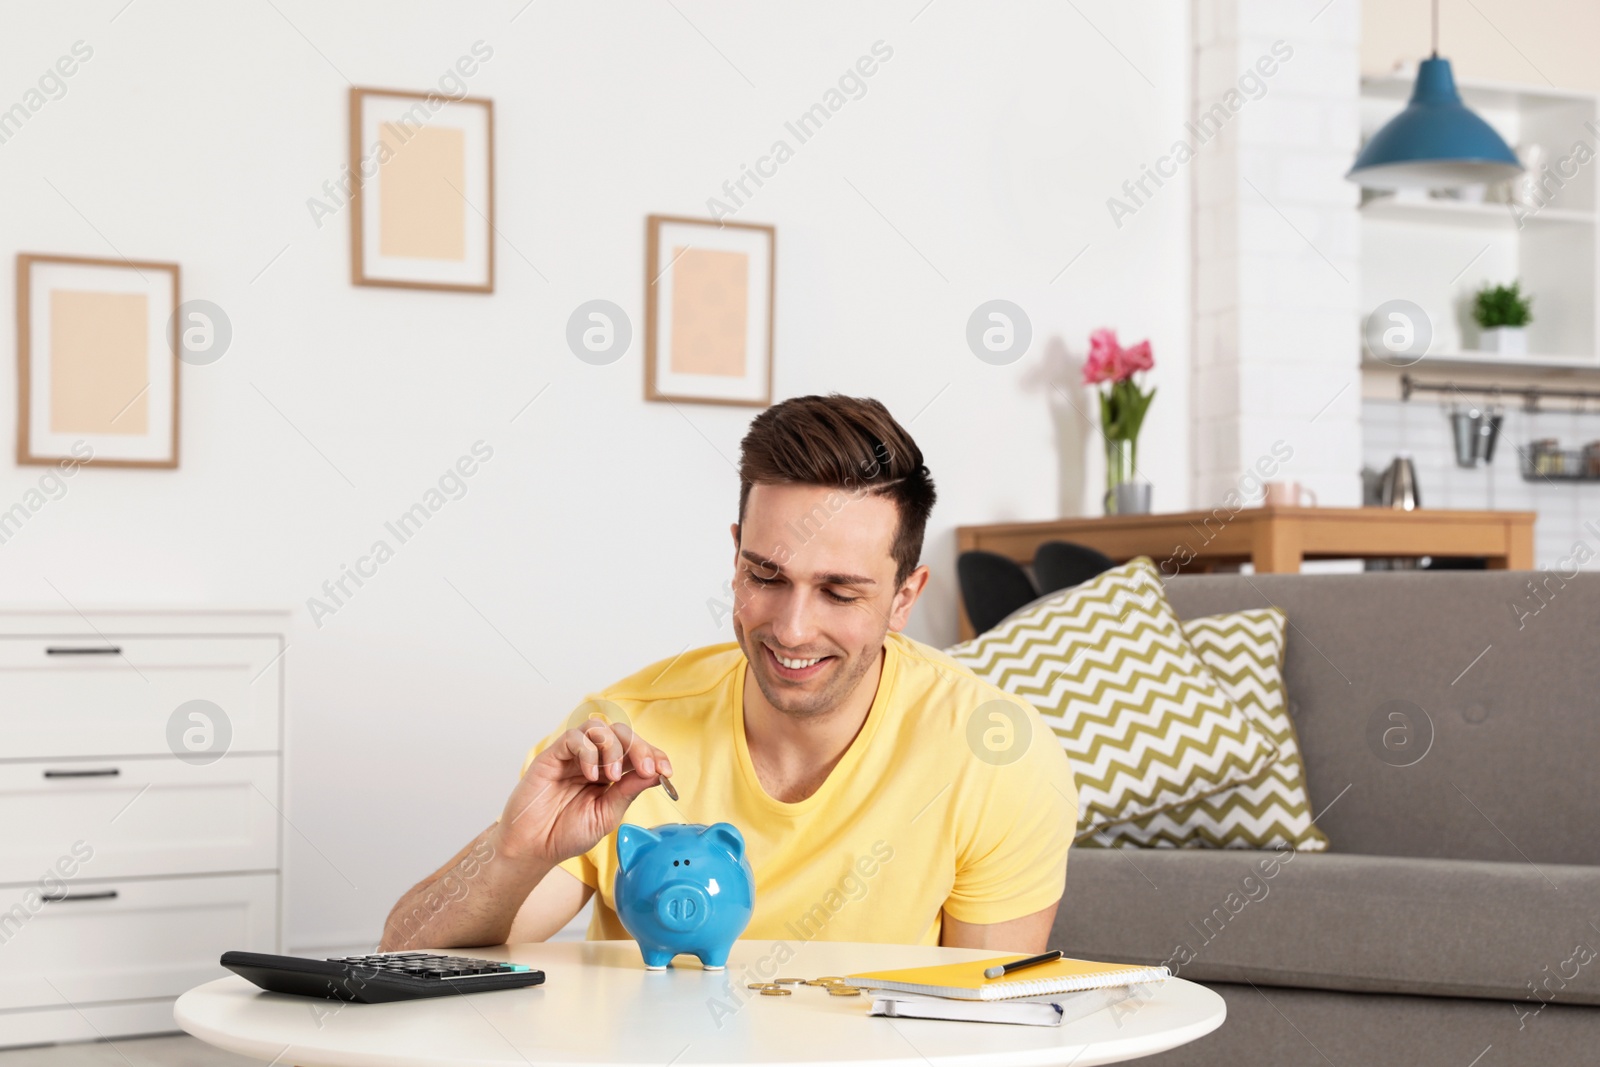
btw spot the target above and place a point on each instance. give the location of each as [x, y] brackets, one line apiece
[97, 361]
[422, 191]
[710, 291]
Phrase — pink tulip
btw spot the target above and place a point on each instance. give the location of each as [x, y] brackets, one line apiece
[1100, 366]
[1108, 361]
[1129, 361]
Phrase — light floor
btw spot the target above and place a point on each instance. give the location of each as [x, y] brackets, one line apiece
[176, 1050]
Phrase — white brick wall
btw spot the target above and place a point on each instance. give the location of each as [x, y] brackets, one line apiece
[1421, 429]
[1277, 249]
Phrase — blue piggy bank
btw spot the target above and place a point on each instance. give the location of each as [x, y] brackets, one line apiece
[684, 887]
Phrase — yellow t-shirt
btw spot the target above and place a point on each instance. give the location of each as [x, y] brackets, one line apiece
[935, 804]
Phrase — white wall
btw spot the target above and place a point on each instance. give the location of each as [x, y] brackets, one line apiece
[1538, 42]
[1277, 369]
[983, 151]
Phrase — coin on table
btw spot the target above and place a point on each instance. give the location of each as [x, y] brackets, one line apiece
[843, 991]
[788, 981]
[828, 978]
[759, 985]
[777, 991]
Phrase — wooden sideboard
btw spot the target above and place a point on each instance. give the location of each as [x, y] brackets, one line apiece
[1273, 539]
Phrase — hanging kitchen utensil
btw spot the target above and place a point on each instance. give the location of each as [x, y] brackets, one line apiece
[1489, 433]
[1466, 426]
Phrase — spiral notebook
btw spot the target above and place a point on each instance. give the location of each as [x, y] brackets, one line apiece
[1052, 1009]
[965, 981]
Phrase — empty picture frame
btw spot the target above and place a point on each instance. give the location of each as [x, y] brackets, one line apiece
[422, 191]
[97, 364]
[708, 311]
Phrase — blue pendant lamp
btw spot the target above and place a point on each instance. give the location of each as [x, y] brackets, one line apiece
[1436, 142]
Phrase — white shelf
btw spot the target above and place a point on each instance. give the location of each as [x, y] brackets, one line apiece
[1490, 361]
[1466, 213]
[1476, 92]
[1435, 254]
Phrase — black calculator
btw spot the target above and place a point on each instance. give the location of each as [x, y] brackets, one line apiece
[381, 977]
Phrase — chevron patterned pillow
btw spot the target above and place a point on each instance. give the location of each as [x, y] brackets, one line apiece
[1244, 650]
[1145, 725]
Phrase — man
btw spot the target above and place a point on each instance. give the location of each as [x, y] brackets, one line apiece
[885, 792]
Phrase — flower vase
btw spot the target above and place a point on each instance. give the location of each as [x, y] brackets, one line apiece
[1120, 454]
[1123, 404]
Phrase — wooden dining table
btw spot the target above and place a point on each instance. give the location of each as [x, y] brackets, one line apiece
[1274, 540]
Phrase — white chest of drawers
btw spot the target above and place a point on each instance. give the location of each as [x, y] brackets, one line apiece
[141, 791]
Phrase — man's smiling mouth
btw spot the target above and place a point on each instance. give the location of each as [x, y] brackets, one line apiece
[796, 669]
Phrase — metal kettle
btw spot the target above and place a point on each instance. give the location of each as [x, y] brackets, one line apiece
[1398, 487]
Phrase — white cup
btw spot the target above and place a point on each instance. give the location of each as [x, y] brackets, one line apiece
[1288, 495]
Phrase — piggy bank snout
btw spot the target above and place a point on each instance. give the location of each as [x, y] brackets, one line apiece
[682, 906]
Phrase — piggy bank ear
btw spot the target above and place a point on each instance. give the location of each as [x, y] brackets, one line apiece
[727, 835]
[631, 840]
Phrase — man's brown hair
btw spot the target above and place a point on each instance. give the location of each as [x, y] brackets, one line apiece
[842, 442]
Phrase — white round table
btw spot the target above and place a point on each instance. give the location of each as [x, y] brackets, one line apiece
[599, 1007]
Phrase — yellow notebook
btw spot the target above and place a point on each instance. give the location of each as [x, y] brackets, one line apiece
[965, 981]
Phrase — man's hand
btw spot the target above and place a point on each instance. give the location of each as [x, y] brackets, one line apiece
[573, 793]
[576, 791]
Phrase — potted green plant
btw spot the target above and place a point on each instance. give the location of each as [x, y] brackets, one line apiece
[1502, 313]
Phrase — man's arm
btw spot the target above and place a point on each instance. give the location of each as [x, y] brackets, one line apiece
[1026, 813]
[1027, 934]
[552, 905]
[570, 795]
[471, 900]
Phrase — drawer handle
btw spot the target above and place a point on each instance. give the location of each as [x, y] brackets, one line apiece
[101, 772]
[111, 650]
[72, 898]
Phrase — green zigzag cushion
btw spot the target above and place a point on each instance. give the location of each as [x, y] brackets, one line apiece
[1244, 650]
[1144, 724]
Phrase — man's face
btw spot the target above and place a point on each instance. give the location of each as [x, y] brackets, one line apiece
[814, 580]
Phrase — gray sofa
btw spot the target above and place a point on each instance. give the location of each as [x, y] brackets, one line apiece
[1462, 889]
